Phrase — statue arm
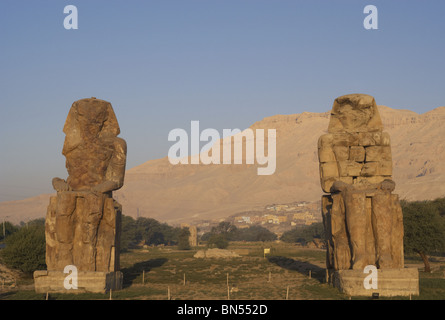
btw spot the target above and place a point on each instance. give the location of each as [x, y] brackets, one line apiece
[60, 185]
[387, 185]
[114, 178]
[339, 186]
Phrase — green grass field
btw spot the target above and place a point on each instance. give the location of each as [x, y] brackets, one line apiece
[288, 272]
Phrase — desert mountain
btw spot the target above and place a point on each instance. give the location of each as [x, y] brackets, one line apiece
[188, 192]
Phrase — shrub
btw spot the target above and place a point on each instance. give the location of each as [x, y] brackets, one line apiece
[25, 249]
[218, 240]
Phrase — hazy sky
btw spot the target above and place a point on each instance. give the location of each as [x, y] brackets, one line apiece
[226, 63]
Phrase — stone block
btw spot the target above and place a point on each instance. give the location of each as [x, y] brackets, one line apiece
[373, 153]
[378, 153]
[329, 169]
[325, 141]
[385, 168]
[345, 139]
[369, 138]
[348, 180]
[349, 168]
[386, 153]
[353, 139]
[87, 281]
[326, 154]
[390, 282]
[341, 139]
[357, 153]
[341, 153]
[370, 169]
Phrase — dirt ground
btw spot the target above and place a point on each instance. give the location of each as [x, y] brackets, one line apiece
[288, 273]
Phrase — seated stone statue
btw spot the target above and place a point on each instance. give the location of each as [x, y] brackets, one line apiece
[83, 220]
[362, 218]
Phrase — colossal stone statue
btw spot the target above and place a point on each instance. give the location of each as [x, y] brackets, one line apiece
[362, 217]
[83, 220]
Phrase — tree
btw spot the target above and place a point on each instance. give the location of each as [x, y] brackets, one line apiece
[304, 234]
[149, 230]
[253, 233]
[220, 235]
[25, 249]
[218, 240]
[439, 203]
[154, 232]
[128, 233]
[6, 229]
[146, 230]
[424, 229]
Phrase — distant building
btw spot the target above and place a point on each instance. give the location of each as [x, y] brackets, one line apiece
[275, 219]
[243, 219]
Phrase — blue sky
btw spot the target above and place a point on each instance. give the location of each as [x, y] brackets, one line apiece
[226, 63]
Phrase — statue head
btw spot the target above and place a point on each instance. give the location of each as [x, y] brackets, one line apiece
[89, 119]
[355, 113]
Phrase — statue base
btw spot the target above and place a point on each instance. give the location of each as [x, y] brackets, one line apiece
[389, 282]
[87, 281]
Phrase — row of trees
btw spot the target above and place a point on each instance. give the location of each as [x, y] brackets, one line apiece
[224, 232]
[147, 231]
[304, 234]
[424, 234]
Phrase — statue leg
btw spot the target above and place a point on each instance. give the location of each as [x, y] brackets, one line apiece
[382, 220]
[397, 233]
[64, 229]
[326, 213]
[50, 234]
[90, 219]
[342, 251]
[355, 204]
[106, 238]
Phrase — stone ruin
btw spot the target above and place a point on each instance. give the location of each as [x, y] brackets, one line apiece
[193, 238]
[362, 217]
[83, 220]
